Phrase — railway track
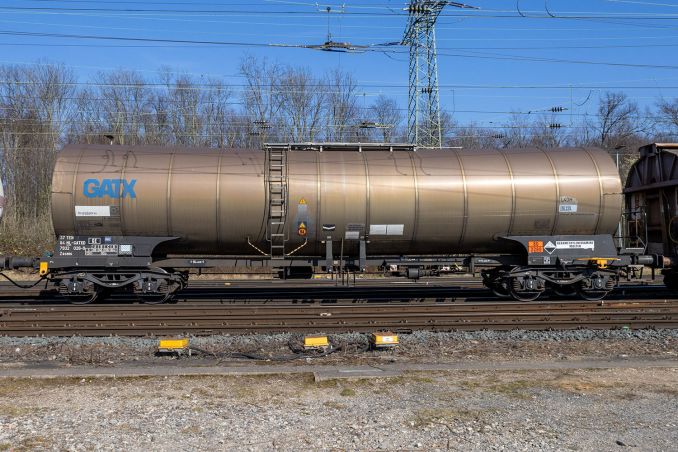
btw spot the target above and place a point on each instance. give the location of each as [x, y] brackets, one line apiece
[210, 318]
[208, 307]
[326, 291]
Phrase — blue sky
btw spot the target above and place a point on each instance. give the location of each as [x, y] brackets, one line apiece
[491, 61]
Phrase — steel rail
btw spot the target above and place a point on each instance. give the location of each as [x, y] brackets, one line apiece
[140, 320]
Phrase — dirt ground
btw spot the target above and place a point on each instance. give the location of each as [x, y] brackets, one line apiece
[470, 410]
[633, 404]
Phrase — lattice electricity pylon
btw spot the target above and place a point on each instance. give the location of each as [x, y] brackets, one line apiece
[423, 119]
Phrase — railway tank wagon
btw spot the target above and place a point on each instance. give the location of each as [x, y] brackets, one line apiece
[423, 202]
[136, 217]
[651, 218]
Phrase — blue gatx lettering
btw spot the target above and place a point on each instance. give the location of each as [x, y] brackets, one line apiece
[113, 188]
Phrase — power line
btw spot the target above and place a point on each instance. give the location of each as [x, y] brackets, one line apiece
[189, 45]
[199, 86]
[373, 48]
[484, 13]
[582, 85]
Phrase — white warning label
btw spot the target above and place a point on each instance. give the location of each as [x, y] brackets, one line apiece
[565, 208]
[575, 244]
[387, 229]
[92, 211]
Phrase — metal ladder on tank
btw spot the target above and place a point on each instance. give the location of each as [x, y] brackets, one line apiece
[276, 168]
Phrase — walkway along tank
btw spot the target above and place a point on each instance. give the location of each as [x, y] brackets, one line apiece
[138, 217]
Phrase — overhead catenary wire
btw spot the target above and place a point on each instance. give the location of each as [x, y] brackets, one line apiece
[387, 12]
[626, 37]
[379, 83]
[373, 48]
[146, 112]
[381, 90]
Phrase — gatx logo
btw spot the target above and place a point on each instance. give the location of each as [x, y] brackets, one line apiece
[113, 188]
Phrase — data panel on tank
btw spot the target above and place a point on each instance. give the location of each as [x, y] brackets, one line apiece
[69, 245]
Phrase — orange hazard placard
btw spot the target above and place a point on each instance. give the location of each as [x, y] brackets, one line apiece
[535, 246]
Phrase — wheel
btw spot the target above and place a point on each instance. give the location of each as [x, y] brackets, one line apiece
[159, 298]
[524, 295]
[85, 298]
[500, 291]
[592, 295]
[520, 294]
[596, 288]
[496, 284]
[564, 291]
[162, 292]
[80, 292]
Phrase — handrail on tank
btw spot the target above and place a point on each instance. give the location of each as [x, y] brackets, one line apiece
[359, 147]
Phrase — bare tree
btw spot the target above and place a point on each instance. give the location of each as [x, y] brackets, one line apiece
[387, 115]
[515, 133]
[301, 99]
[547, 132]
[34, 107]
[124, 101]
[473, 135]
[261, 104]
[341, 106]
[617, 122]
[666, 122]
[217, 113]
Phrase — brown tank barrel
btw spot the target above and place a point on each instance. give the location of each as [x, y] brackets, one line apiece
[403, 202]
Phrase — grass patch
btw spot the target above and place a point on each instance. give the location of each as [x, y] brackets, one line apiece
[579, 386]
[323, 384]
[16, 411]
[626, 396]
[517, 389]
[470, 385]
[26, 237]
[521, 388]
[32, 443]
[347, 392]
[203, 392]
[335, 405]
[416, 379]
[444, 416]
[10, 387]
[672, 392]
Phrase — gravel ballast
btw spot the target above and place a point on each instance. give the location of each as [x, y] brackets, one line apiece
[546, 410]
[428, 346]
[531, 409]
